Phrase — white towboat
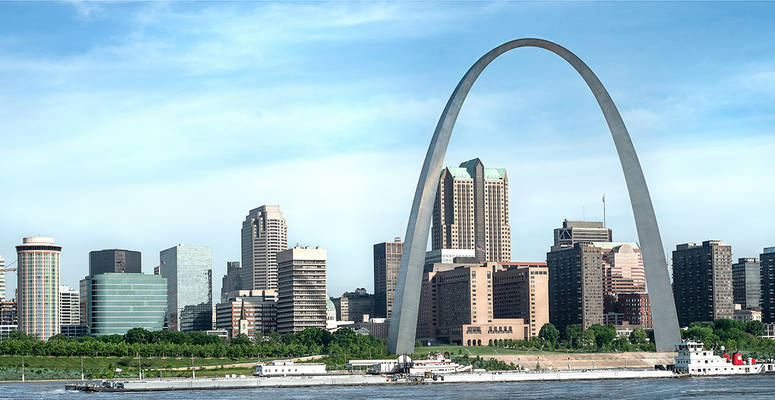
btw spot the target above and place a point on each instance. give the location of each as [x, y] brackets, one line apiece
[694, 359]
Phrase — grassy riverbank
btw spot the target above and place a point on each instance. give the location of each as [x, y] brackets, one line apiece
[69, 367]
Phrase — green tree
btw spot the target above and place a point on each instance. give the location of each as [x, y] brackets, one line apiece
[549, 333]
[573, 334]
[638, 336]
[240, 339]
[604, 335]
[138, 335]
[58, 338]
[755, 328]
[621, 344]
[587, 339]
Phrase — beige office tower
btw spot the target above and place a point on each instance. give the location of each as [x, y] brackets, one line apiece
[38, 286]
[521, 290]
[264, 234]
[456, 304]
[471, 211]
[301, 289]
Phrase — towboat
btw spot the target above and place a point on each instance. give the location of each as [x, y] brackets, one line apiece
[694, 359]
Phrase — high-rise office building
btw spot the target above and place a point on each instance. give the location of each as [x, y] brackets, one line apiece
[623, 270]
[2, 278]
[264, 234]
[746, 283]
[427, 315]
[232, 280]
[458, 307]
[575, 285]
[573, 232]
[521, 290]
[8, 313]
[352, 306]
[387, 260]
[118, 302]
[9, 320]
[188, 270]
[471, 211]
[69, 306]
[702, 281]
[247, 312]
[38, 286]
[114, 260]
[767, 276]
[301, 289]
[635, 309]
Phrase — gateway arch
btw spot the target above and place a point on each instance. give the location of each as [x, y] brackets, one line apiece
[406, 303]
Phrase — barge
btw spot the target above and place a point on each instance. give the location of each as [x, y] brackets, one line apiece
[692, 360]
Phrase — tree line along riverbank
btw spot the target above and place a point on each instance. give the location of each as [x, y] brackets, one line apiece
[163, 352]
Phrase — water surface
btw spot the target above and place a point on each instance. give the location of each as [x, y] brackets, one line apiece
[748, 388]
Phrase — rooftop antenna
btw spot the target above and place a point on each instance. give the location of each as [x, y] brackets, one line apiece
[604, 210]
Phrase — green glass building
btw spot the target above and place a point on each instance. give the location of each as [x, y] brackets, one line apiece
[118, 302]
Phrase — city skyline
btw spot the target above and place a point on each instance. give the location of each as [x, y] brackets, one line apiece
[696, 163]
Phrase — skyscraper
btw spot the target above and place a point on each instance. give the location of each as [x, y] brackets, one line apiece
[114, 260]
[471, 211]
[702, 281]
[188, 270]
[264, 234]
[301, 289]
[387, 260]
[746, 283]
[232, 280]
[575, 285]
[69, 306]
[573, 232]
[38, 286]
[767, 276]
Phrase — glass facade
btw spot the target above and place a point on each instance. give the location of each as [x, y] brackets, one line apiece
[188, 270]
[118, 302]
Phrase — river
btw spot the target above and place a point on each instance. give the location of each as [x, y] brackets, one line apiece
[753, 387]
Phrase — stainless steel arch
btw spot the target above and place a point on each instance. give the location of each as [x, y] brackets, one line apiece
[403, 322]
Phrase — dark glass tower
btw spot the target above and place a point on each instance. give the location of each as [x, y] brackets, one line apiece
[114, 260]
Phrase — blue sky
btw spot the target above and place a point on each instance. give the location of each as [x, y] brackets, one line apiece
[142, 125]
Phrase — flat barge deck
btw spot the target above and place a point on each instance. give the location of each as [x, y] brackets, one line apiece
[149, 385]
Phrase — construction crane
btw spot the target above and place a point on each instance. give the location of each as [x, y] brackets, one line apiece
[8, 268]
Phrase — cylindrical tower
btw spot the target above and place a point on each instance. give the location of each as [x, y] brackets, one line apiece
[38, 286]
